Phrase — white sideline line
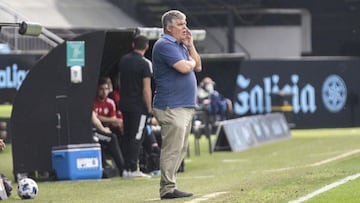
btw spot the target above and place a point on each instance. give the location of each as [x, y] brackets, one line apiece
[281, 169]
[234, 160]
[196, 177]
[206, 197]
[335, 158]
[355, 151]
[196, 200]
[325, 188]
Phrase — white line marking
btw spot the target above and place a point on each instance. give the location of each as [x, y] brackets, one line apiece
[326, 153]
[199, 199]
[335, 158]
[206, 197]
[347, 154]
[195, 177]
[156, 178]
[325, 188]
[234, 160]
[281, 169]
[152, 200]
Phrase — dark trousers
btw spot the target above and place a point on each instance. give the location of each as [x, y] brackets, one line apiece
[110, 144]
[134, 131]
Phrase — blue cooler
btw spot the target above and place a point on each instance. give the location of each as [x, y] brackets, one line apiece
[77, 161]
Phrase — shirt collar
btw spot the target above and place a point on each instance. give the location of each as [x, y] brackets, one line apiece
[169, 37]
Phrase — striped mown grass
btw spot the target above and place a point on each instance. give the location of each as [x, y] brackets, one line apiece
[275, 172]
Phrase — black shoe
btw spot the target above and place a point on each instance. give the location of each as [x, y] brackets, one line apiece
[176, 194]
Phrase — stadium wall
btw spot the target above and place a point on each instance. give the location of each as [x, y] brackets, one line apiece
[321, 92]
[13, 70]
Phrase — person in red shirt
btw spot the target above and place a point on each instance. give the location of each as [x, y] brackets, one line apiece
[114, 94]
[105, 108]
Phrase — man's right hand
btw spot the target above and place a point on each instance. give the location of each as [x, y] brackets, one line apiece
[107, 130]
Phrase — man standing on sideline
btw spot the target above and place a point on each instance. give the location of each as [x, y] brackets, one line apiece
[174, 61]
[135, 103]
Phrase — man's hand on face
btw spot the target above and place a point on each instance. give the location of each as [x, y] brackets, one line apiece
[188, 40]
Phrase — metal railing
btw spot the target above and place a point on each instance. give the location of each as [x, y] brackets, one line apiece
[21, 43]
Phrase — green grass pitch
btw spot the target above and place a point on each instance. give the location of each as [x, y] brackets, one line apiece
[275, 172]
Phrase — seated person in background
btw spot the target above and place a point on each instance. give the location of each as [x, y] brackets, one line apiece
[2, 145]
[149, 159]
[5, 181]
[151, 147]
[108, 140]
[212, 101]
[114, 94]
[105, 108]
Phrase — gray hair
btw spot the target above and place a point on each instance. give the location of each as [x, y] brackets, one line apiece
[168, 17]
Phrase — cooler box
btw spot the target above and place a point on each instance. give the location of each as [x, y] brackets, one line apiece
[77, 161]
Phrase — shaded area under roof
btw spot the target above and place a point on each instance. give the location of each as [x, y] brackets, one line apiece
[72, 14]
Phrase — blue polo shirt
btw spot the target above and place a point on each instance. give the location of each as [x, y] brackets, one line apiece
[173, 89]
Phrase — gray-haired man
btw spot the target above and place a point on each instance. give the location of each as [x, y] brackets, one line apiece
[175, 60]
